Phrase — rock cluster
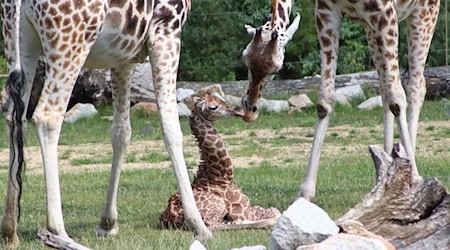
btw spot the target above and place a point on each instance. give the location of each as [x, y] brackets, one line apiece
[344, 96]
[305, 226]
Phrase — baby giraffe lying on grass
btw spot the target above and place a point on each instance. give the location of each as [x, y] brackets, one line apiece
[221, 203]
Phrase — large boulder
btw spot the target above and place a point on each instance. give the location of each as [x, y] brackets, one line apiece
[341, 99]
[145, 107]
[347, 242]
[80, 110]
[300, 101]
[371, 103]
[303, 223]
[257, 247]
[183, 109]
[352, 92]
[196, 245]
[183, 93]
[274, 105]
[233, 100]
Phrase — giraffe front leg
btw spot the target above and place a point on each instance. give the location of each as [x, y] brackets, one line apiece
[328, 32]
[120, 138]
[164, 57]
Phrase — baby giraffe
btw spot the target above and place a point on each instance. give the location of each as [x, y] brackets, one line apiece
[221, 203]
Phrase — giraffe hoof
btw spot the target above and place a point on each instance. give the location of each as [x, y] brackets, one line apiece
[101, 232]
[10, 242]
[203, 237]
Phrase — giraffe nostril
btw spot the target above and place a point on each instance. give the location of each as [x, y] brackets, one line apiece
[254, 109]
[274, 35]
[246, 104]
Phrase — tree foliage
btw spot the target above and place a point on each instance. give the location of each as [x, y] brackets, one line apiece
[214, 38]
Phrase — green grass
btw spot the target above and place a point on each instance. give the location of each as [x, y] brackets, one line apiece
[143, 195]
[342, 182]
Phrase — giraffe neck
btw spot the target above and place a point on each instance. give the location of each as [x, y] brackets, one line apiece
[281, 11]
[215, 163]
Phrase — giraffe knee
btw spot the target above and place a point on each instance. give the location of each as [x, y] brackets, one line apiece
[395, 109]
[49, 120]
[322, 111]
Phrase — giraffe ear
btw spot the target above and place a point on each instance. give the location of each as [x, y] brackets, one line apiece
[294, 26]
[203, 105]
[196, 99]
[250, 30]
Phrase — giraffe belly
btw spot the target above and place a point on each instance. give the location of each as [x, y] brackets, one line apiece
[110, 50]
[118, 43]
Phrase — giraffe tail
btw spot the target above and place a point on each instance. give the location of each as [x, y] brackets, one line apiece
[15, 87]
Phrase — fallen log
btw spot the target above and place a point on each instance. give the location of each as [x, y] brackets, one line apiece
[437, 83]
[58, 242]
[411, 213]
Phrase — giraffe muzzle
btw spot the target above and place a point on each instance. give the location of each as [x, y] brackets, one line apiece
[251, 110]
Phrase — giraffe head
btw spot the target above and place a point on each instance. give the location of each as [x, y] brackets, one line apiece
[264, 57]
[213, 107]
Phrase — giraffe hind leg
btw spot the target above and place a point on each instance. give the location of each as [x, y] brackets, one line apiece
[19, 88]
[418, 47]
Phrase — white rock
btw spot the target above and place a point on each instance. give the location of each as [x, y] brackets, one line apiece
[196, 245]
[303, 223]
[274, 105]
[183, 109]
[183, 93]
[352, 92]
[300, 101]
[233, 100]
[80, 110]
[217, 88]
[258, 247]
[346, 242]
[341, 99]
[371, 103]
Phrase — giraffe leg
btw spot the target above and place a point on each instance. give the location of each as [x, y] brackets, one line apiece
[385, 32]
[420, 31]
[212, 207]
[164, 56]
[328, 32]
[120, 138]
[388, 116]
[29, 57]
[61, 73]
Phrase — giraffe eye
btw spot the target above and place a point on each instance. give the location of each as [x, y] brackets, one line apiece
[213, 107]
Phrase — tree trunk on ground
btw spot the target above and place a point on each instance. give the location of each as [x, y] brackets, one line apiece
[58, 242]
[437, 78]
[410, 213]
[94, 86]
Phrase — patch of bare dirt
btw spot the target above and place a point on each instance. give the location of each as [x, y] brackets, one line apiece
[433, 140]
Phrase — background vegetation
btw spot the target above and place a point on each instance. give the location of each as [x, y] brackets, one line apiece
[214, 38]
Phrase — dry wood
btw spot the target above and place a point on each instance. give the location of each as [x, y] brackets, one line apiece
[437, 79]
[58, 242]
[412, 213]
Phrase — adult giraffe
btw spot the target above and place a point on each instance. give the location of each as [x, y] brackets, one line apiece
[380, 19]
[112, 34]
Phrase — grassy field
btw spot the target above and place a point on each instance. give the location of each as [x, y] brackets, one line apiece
[270, 156]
